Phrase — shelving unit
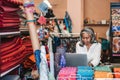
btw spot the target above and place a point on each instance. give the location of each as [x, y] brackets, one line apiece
[4, 34]
[96, 24]
[6, 72]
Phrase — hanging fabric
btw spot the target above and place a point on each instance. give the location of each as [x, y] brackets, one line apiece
[42, 20]
[68, 22]
[51, 56]
[43, 65]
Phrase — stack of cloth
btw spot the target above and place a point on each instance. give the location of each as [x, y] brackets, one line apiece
[116, 72]
[102, 72]
[12, 53]
[85, 73]
[9, 18]
[67, 73]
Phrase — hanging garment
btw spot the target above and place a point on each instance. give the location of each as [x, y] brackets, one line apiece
[43, 65]
[49, 14]
[43, 7]
[68, 22]
[51, 56]
[42, 20]
[37, 54]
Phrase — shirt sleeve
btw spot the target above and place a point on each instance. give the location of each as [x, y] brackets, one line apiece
[77, 47]
[97, 55]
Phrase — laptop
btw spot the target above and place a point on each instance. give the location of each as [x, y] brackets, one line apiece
[75, 60]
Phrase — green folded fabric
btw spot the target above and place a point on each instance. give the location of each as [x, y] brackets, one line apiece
[103, 68]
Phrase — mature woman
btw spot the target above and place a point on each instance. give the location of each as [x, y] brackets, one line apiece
[88, 45]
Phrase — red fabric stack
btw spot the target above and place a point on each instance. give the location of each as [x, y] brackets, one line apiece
[9, 19]
[67, 73]
[13, 52]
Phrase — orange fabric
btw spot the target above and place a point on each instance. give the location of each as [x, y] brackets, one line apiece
[32, 58]
[117, 72]
[101, 74]
[48, 57]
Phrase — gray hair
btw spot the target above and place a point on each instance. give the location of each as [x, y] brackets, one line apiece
[89, 31]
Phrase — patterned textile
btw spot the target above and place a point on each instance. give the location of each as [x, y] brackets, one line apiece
[67, 73]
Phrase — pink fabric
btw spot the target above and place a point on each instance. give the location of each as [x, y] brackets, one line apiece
[42, 20]
[67, 73]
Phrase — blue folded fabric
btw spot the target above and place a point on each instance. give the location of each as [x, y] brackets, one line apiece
[37, 57]
[84, 67]
[85, 73]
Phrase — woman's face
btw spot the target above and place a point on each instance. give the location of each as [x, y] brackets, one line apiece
[86, 38]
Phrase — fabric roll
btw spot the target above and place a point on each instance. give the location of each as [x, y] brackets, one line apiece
[8, 9]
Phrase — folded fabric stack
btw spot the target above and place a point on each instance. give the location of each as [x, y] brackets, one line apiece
[67, 73]
[85, 73]
[27, 43]
[116, 72]
[9, 19]
[103, 72]
[12, 53]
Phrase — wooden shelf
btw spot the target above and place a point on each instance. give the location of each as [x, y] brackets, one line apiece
[96, 24]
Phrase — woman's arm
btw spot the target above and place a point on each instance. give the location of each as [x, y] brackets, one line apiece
[97, 55]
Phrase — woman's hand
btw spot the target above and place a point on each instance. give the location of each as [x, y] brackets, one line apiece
[90, 64]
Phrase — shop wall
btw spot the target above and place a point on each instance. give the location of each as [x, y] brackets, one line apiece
[59, 7]
[98, 10]
[75, 9]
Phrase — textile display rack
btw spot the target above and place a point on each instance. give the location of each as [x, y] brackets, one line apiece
[6, 72]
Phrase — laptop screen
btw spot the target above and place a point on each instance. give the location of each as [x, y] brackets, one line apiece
[74, 59]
